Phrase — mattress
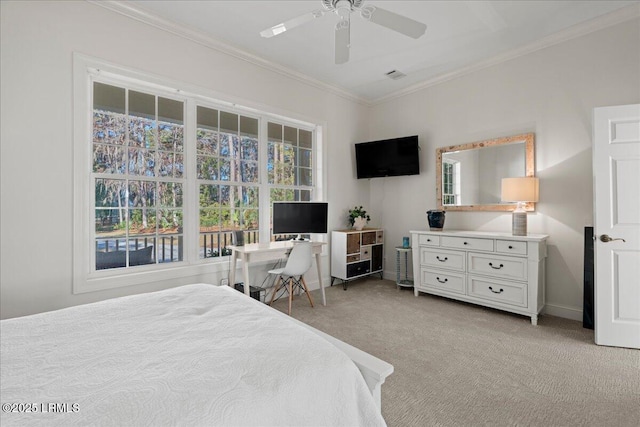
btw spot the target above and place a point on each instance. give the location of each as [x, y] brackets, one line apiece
[192, 355]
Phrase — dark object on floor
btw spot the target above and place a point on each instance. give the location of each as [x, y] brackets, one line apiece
[589, 280]
[253, 290]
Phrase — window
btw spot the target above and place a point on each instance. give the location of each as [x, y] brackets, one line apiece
[227, 162]
[289, 164]
[450, 182]
[138, 170]
[163, 177]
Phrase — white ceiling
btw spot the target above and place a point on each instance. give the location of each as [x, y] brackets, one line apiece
[460, 35]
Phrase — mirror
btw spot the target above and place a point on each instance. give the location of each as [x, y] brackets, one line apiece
[470, 175]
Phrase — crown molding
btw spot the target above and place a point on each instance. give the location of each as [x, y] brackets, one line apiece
[617, 17]
[146, 17]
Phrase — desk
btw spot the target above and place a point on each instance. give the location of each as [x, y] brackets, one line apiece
[255, 252]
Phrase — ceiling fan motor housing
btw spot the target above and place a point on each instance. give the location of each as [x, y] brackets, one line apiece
[334, 6]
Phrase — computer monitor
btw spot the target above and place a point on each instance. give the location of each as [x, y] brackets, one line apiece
[300, 217]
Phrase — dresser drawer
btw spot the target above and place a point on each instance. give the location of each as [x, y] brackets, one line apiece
[498, 266]
[467, 243]
[447, 281]
[353, 258]
[428, 240]
[511, 247]
[358, 268]
[451, 260]
[365, 252]
[512, 293]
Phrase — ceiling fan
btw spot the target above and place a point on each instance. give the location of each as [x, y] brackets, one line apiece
[344, 8]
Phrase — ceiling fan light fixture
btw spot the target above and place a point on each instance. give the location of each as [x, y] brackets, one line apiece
[343, 8]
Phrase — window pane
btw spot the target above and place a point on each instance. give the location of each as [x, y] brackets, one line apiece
[142, 132]
[170, 194]
[142, 222]
[274, 132]
[249, 147]
[250, 219]
[290, 136]
[171, 136]
[306, 176]
[169, 248]
[304, 158]
[228, 122]
[209, 195]
[142, 194]
[303, 195]
[250, 197]
[225, 170]
[249, 171]
[109, 159]
[110, 193]
[170, 221]
[207, 142]
[207, 118]
[142, 105]
[207, 167]
[141, 162]
[305, 138]
[249, 127]
[108, 98]
[170, 164]
[109, 128]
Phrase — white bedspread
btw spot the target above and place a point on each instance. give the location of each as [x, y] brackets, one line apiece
[193, 355]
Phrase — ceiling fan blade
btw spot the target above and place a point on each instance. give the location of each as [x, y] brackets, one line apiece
[342, 41]
[291, 23]
[399, 23]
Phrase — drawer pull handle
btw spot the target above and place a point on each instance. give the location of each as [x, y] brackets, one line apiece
[442, 281]
[496, 268]
[496, 292]
[441, 260]
[428, 240]
[465, 243]
[510, 247]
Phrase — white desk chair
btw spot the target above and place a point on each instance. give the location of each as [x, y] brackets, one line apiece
[291, 275]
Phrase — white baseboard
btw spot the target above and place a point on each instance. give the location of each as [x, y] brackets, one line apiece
[572, 313]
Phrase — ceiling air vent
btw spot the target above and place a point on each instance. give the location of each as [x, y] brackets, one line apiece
[395, 75]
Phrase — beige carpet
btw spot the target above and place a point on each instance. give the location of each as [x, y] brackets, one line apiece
[458, 364]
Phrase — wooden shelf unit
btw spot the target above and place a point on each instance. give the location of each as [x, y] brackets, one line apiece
[356, 253]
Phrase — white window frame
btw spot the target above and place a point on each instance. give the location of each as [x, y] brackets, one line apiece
[86, 70]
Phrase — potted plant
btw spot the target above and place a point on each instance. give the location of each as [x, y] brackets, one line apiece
[358, 217]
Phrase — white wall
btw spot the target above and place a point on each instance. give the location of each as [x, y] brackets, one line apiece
[38, 42]
[551, 92]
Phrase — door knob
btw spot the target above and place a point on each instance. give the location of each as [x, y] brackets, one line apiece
[606, 239]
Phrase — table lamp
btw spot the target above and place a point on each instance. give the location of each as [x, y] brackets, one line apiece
[520, 190]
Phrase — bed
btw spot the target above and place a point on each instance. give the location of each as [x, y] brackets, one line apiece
[193, 355]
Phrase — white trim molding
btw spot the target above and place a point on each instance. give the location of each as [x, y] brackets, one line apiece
[127, 9]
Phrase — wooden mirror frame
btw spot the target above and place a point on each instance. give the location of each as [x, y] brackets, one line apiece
[527, 138]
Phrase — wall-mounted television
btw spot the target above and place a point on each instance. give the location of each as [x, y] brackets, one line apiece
[300, 217]
[388, 157]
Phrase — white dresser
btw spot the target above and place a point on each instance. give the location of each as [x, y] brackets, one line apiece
[496, 270]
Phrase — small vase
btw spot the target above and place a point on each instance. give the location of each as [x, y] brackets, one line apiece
[436, 220]
[359, 223]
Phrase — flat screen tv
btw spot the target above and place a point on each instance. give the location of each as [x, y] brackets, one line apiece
[388, 157]
[300, 217]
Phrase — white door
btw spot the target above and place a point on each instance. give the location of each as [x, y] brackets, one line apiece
[616, 168]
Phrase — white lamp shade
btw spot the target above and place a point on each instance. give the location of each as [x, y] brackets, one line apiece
[521, 189]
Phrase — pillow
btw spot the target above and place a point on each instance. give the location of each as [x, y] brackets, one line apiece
[141, 256]
[118, 259]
